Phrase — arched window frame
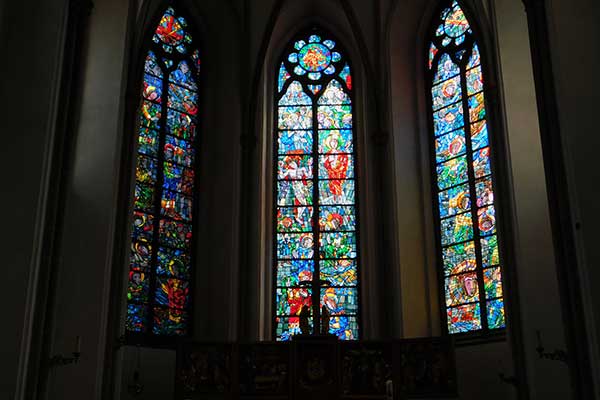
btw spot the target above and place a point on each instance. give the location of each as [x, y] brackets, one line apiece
[304, 34]
[473, 36]
[133, 125]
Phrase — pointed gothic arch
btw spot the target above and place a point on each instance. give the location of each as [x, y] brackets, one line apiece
[469, 248]
[316, 258]
[160, 279]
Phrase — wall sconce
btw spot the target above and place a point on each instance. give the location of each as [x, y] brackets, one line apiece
[60, 360]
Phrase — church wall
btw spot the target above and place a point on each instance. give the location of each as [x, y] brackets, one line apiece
[573, 35]
[30, 39]
[229, 304]
[534, 268]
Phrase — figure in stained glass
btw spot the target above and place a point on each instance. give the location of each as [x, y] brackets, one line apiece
[315, 157]
[465, 190]
[158, 293]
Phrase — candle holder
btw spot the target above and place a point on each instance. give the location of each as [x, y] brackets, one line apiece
[556, 355]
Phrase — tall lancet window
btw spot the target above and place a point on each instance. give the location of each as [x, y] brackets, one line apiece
[316, 257]
[464, 191]
[158, 294]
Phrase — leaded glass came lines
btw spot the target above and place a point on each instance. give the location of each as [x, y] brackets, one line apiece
[316, 246]
[465, 194]
[159, 288]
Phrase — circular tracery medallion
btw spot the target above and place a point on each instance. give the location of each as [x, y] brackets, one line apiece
[314, 57]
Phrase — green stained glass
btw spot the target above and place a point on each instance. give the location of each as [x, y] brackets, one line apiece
[158, 289]
[315, 176]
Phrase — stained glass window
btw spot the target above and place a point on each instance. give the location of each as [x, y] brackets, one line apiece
[158, 293]
[316, 246]
[464, 190]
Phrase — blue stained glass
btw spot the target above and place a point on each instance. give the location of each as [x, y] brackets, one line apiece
[295, 142]
[337, 245]
[446, 69]
[183, 76]
[181, 125]
[340, 301]
[283, 77]
[151, 66]
[182, 99]
[152, 88]
[295, 245]
[450, 145]
[344, 327]
[179, 151]
[302, 150]
[462, 217]
[294, 272]
[173, 262]
[294, 193]
[334, 95]
[295, 96]
[481, 162]
[339, 272]
[448, 119]
[295, 117]
[178, 179]
[495, 312]
[446, 93]
[160, 306]
[143, 226]
[136, 317]
[176, 206]
[456, 229]
[335, 141]
[334, 117]
[148, 142]
[479, 135]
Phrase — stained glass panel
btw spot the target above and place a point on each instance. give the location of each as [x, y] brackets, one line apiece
[447, 119]
[489, 251]
[292, 273]
[336, 166]
[492, 281]
[335, 141]
[314, 82]
[464, 318]
[450, 145]
[452, 172]
[160, 260]
[295, 167]
[456, 229]
[336, 192]
[339, 272]
[295, 142]
[294, 219]
[454, 201]
[479, 135]
[295, 245]
[446, 93]
[338, 245]
[465, 193]
[173, 262]
[297, 117]
[339, 301]
[459, 258]
[344, 327]
[337, 218]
